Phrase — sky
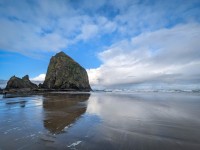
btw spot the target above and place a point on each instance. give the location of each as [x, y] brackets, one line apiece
[121, 43]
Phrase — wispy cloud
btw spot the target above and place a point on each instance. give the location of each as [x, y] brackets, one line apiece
[42, 26]
[40, 77]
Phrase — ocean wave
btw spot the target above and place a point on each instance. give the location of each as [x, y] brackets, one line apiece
[151, 90]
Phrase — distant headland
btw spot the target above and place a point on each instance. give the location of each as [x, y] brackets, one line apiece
[63, 74]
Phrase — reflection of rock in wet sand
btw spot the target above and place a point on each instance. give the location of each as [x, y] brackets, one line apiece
[61, 110]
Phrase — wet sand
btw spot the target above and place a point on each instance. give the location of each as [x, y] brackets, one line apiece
[136, 121]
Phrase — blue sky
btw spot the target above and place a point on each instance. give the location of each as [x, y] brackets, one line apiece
[120, 43]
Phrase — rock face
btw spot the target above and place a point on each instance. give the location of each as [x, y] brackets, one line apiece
[17, 83]
[64, 73]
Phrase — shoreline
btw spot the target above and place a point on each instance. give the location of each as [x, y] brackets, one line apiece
[26, 92]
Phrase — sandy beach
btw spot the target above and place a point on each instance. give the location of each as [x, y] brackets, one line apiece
[101, 120]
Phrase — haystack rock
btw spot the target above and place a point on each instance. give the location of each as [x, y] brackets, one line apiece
[65, 74]
[17, 83]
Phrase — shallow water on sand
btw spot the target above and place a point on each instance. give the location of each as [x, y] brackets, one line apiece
[101, 121]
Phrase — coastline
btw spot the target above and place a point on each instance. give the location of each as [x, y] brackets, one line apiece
[27, 92]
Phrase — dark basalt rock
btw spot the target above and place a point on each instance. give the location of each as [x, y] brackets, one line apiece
[65, 74]
[1, 91]
[17, 83]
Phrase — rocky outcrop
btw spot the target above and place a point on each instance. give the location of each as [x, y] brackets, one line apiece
[1, 91]
[64, 73]
[17, 83]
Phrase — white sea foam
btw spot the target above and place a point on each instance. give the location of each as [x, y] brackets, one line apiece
[150, 90]
[75, 144]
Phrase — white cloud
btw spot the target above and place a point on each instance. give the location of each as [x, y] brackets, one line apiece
[40, 77]
[162, 56]
[106, 26]
[94, 75]
[47, 26]
[33, 27]
[87, 31]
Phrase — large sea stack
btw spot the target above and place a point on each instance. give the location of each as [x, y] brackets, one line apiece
[65, 74]
[17, 83]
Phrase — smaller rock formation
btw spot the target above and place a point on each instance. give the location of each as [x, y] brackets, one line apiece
[17, 83]
[1, 91]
